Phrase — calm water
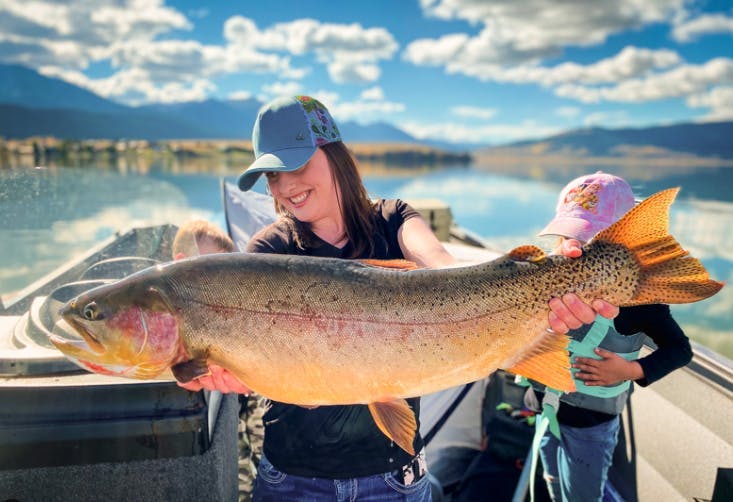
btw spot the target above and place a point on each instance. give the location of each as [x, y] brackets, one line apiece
[49, 215]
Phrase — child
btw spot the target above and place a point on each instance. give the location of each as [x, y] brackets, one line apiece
[200, 237]
[576, 466]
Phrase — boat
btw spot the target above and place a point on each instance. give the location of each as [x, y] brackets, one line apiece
[66, 434]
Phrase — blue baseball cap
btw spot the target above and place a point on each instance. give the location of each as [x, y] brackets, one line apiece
[286, 134]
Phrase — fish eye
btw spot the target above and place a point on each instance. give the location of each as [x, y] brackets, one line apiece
[91, 312]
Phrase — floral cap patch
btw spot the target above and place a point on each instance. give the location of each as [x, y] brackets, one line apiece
[321, 124]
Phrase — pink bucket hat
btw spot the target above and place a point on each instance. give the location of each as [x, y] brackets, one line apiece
[589, 204]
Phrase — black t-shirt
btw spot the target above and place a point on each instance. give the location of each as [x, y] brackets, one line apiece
[673, 351]
[333, 441]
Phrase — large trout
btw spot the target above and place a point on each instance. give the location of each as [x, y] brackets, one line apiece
[318, 331]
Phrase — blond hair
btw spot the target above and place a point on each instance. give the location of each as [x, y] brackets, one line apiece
[191, 235]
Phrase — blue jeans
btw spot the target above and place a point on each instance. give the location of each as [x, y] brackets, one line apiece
[276, 486]
[576, 466]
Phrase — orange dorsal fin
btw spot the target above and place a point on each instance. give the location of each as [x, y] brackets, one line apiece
[547, 362]
[668, 274]
[390, 264]
[527, 252]
[397, 421]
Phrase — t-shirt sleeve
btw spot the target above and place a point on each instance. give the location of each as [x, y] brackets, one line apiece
[392, 213]
[271, 239]
[395, 212]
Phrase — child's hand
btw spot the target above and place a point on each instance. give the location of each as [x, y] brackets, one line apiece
[611, 369]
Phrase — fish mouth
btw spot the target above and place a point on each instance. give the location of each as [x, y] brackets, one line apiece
[70, 326]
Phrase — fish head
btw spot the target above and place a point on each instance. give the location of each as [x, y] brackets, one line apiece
[124, 329]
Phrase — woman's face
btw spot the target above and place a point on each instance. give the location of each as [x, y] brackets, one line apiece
[309, 193]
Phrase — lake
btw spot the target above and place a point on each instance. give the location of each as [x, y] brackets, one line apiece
[48, 215]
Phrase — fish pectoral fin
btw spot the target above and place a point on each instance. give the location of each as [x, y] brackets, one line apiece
[397, 421]
[190, 370]
[527, 253]
[390, 264]
[548, 362]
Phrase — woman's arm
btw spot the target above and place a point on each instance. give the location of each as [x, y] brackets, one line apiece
[419, 244]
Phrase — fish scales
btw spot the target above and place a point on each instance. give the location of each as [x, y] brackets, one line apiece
[286, 319]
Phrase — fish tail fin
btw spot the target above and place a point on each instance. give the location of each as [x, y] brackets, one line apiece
[547, 362]
[668, 274]
[397, 421]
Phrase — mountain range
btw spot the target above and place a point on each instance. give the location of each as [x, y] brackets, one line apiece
[35, 105]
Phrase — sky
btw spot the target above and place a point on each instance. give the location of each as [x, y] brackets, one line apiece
[465, 71]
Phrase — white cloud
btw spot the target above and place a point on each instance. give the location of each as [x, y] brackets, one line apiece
[134, 86]
[332, 40]
[628, 63]
[707, 24]
[567, 111]
[370, 106]
[343, 72]
[127, 34]
[88, 27]
[277, 89]
[678, 82]
[530, 31]
[136, 19]
[366, 110]
[473, 112]
[240, 95]
[607, 119]
[349, 51]
[718, 99]
[468, 133]
[373, 93]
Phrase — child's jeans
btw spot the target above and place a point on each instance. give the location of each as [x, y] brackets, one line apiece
[576, 466]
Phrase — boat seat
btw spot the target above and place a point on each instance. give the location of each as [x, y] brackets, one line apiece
[117, 268]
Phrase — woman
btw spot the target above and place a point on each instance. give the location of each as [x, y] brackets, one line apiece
[331, 452]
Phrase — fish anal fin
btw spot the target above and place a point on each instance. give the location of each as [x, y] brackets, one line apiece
[397, 421]
[667, 273]
[390, 264]
[527, 252]
[548, 362]
[190, 370]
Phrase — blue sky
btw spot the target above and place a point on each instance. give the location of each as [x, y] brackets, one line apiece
[454, 70]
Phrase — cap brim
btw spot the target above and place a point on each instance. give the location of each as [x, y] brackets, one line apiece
[572, 228]
[287, 160]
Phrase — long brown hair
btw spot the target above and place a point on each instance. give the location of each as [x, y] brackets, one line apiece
[354, 203]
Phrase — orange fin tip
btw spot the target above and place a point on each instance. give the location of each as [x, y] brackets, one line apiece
[397, 421]
[547, 362]
[390, 264]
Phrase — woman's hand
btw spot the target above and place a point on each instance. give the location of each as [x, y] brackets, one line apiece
[611, 369]
[217, 379]
[570, 312]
